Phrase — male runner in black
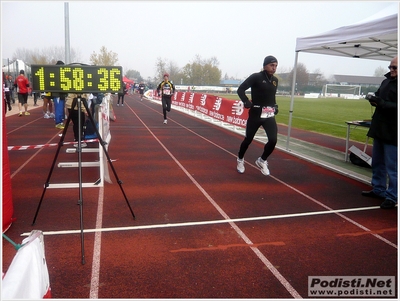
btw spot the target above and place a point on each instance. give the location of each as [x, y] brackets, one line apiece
[141, 87]
[263, 109]
[167, 89]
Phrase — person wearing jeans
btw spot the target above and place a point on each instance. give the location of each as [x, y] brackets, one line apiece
[384, 132]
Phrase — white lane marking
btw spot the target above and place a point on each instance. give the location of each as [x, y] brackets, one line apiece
[30, 159]
[213, 222]
[298, 191]
[98, 230]
[266, 262]
[95, 278]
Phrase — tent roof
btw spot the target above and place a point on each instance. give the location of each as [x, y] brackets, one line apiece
[374, 39]
[127, 80]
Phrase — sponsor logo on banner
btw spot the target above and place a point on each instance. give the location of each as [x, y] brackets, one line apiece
[183, 97]
[191, 97]
[237, 108]
[219, 108]
[216, 107]
[189, 104]
[203, 99]
[201, 107]
[217, 104]
[237, 111]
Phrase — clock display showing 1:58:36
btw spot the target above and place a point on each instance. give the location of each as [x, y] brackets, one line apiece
[77, 79]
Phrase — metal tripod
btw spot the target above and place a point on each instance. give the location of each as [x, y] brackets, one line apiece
[78, 102]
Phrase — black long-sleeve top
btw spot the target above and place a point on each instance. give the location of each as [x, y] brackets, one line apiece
[384, 120]
[263, 89]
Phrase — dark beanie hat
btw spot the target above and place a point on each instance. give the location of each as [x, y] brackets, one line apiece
[60, 63]
[270, 59]
[21, 72]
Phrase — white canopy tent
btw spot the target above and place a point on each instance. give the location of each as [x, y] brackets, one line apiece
[374, 38]
[14, 68]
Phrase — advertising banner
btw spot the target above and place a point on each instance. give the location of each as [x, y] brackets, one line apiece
[222, 109]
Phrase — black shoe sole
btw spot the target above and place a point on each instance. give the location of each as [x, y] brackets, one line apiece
[370, 194]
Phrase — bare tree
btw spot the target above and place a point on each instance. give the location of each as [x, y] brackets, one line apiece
[320, 79]
[202, 71]
[133, 74]
[160, 68]
[45, 56]
[302, 77]
[380, 72]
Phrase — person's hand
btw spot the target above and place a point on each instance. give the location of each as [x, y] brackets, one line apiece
[276, 109]
[374, 101]
[248, 104]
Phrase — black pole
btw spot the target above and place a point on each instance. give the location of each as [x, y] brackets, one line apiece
[79, 101]
[79, 150]
[103, 143]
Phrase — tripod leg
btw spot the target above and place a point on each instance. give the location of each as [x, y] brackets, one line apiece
[60, 144]
[79, 150]
[108, 158]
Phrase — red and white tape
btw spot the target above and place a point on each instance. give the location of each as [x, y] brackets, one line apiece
[25, 147]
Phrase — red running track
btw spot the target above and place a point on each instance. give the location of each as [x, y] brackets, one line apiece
[202, 230]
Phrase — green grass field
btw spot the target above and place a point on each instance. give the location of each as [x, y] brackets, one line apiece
[323, 115]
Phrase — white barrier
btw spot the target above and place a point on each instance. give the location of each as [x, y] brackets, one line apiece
[311, 95]
[28, 276]
[105, 134]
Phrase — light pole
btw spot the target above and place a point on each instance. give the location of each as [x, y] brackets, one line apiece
[66, 24]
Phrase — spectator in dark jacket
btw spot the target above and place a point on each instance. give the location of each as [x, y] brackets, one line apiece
[384, 132]
[122, 95]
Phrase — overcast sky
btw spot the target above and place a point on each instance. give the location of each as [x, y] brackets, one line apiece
[238, 33]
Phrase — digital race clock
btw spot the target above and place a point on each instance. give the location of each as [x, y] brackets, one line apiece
[77, 78]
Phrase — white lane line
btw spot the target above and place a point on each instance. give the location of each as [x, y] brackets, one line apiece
[298, 191]
[31, 158]
[261, 256]
[95, 278]
[213, 222]
[98, 230]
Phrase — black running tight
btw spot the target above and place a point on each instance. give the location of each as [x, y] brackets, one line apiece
[166, 105]
[271, 129]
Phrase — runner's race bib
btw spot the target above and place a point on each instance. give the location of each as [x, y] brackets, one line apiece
[267, 112]
[167, 91]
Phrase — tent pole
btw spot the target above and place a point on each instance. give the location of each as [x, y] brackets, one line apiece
[292, 99]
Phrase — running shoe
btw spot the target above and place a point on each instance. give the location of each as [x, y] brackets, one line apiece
[46, 116]
[165, 121]
[20, 114]
[27, 113]
[52, 115]
[240, 165]
[263, 165]
[60, 126]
